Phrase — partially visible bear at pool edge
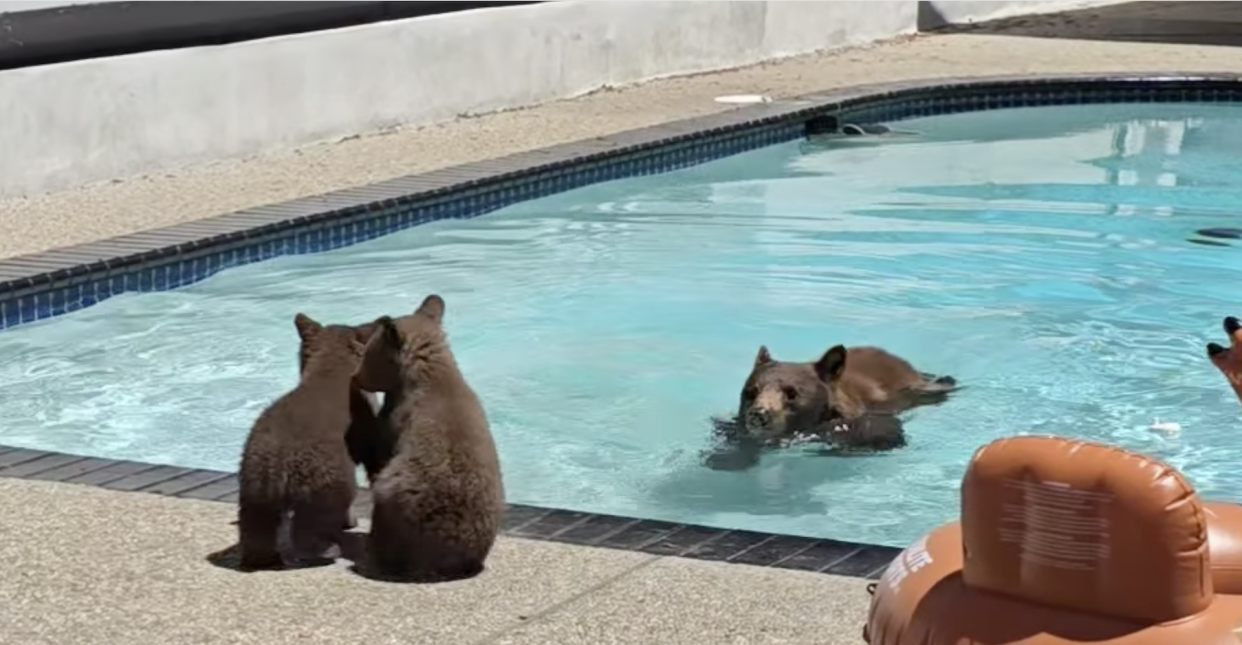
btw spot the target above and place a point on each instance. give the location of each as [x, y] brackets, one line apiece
[437, 504]
[296, 458]
[848, 399]
[370, 442]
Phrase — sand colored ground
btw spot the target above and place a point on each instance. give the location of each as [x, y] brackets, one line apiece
[76, 216]
[97, 567]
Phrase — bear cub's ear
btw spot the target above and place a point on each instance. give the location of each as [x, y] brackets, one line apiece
[385, 335]
[763, 357]
[379, 369]
[307, 328]
[829, 367]
[433, 308]
[363, 334]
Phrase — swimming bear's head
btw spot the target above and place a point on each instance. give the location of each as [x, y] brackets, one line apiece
[781, 400]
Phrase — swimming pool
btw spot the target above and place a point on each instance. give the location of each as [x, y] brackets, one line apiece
[1039, 255]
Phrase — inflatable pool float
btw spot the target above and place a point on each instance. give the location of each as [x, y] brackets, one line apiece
[1066, 542]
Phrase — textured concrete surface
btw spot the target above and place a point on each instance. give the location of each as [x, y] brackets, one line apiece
[91, 566]
[686, 601]
[38, 223]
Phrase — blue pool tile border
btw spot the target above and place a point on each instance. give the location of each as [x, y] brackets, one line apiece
[43, 285]
[529, 522]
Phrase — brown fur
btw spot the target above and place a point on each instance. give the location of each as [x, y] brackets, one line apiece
[438, 503]
[781, 399]
[371, 444]
[1229, 360]
[367, 440]
[295, 459]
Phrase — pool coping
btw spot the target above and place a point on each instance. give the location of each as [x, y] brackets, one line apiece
[26, 281]
[652, 537]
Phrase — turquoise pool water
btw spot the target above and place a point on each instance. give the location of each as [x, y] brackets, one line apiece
[1038, 255]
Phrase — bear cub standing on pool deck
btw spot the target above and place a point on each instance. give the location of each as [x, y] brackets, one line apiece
[439, 501]
[296, 458]
[848, 398]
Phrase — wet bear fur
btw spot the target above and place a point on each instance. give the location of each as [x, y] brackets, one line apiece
[849, 399]
[438, 502]
[296, 459]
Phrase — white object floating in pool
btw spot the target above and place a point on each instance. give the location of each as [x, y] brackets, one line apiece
[744, 98]
[1167, 427]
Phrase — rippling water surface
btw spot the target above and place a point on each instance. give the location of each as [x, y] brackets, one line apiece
[1038, 255]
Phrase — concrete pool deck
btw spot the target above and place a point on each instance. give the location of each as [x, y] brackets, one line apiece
[89, 565]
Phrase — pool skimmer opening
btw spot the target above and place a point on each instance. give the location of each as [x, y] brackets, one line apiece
[744, 99]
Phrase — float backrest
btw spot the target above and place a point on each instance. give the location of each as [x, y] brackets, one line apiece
[1086, 527]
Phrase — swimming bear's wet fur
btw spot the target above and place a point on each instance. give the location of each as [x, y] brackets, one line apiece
[437, 504]
[296, 459]
[849, 399]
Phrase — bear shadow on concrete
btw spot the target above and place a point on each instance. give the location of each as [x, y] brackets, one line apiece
[352, 548]
[360, 568]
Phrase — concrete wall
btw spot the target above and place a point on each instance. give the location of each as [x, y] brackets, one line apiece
[11, 6]
[87, 121]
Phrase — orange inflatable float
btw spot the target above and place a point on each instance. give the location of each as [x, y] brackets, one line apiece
[1065, 542]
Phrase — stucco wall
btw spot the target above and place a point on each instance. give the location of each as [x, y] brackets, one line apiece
[94, 120]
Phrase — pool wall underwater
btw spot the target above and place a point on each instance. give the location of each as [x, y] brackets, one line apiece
[44, 285]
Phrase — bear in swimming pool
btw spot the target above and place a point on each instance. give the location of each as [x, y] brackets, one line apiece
[438, 502]
[296, 459]
[849, 399]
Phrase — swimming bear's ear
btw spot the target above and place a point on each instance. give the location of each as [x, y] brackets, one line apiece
[433, 308]
[763, 357]
[307, 328]
[830, 365]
